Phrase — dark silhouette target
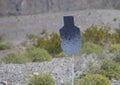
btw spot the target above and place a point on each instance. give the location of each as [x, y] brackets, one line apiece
[70, 36]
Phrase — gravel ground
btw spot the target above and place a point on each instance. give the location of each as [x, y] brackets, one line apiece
[18, 74]
[59, 68]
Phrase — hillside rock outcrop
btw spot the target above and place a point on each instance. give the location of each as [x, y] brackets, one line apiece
[15, 7]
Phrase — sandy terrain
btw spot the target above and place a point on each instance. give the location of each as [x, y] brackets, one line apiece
[15, 28]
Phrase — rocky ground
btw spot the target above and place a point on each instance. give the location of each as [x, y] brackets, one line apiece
[18, 74]
[59, 68]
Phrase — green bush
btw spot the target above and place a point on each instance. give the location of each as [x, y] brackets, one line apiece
[117, 58]
[93, 79]
[17, 58]
[117, 35]
[50, 42]
[38, 54]
[91, 68]
[110, 69]
[115, 48]
[43, 79]
[91, 48]
[97, 35]
[5, 45]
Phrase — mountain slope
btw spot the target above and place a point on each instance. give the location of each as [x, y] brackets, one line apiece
[15, 7]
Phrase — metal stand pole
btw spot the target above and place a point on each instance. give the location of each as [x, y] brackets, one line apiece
[73, 71]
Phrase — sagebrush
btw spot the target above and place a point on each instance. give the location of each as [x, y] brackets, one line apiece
[16, 57]
[41, 79]
[38, 54]
[90, 47]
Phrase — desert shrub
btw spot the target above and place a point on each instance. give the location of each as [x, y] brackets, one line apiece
[115, 48]
[5, 45]
[31, 39]
[91, 68]
[91, 48]
[16, 57]
[50, 42]
[54, 44]
[117, 35]
[117, 57]
[43, 79]
[110, 69]
[38, 54]
[31, 36]
[97, 35]
[93, 79]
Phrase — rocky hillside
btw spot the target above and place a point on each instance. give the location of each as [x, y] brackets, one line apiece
[14, 7]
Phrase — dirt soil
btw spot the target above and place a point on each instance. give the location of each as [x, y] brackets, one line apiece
[15, 28]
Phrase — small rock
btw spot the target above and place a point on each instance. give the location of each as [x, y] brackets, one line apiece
[36, 73]
[78, 74]
[4, 83]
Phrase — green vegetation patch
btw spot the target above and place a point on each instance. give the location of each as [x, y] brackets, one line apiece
[49, 42]
[115, 48]
[38, 54]
[17, 58]
[97, 35]
[41, 79]
[91, 48]
[5, 45]
[117, 58]
[31, 54]
[93, 79]
[110, 69]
